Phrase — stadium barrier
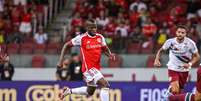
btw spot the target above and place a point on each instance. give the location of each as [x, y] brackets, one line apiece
[49, 90]
[111, 74]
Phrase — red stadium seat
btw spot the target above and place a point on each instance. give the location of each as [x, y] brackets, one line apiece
[26, 48]
[13, 48]
[53, 48]
[133, 48]
[38, 61]
[150, 61]
[39, 48]
[115, 63]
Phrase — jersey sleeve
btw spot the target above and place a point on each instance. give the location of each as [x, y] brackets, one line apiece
[76, 41]
[166, 45]
[103, 41]
[194, 48]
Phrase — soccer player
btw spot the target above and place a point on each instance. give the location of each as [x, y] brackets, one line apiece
[190, 96]
[183, 53]
[91, 45]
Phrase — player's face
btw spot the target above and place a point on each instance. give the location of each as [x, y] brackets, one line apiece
[181, 33]
[92, 29]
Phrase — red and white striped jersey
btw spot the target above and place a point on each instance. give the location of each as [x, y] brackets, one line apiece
[91, 49]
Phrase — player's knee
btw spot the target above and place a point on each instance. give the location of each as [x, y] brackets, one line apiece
[91, 90]
[197, 96]
[175, 89]
[104, 85]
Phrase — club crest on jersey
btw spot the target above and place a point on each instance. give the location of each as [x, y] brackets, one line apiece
[99, 39]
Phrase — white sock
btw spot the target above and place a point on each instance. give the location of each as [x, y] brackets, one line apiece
[104, 94]
[79, 90]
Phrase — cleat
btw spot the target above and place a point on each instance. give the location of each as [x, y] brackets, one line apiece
[66, 91]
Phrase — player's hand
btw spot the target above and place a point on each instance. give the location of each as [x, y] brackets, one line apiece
[157, 63]
[112, 56]
[186, 65]
[59, 64]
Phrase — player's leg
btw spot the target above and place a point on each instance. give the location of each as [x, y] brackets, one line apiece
[183, 97]
[198, 86]
[84, 90]
[104, 93]
[174, 82]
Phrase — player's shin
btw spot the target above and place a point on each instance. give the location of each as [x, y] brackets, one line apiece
[79, 90]
[104, 94]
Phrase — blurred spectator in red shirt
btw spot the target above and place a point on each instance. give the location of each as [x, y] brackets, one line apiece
[111, 26]
[149, 28]
[77, 20]
[134, 17]
[16, 15]
[25, 26]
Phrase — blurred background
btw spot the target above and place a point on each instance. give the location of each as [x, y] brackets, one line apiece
[33, 32]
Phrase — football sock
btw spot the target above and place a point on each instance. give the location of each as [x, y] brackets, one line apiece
[79, 90]
[104, 94]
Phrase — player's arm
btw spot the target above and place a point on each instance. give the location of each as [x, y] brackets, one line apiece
[158, 56]
[65, 47]
[108, 53]
[106, 49]
[73, 42]
[165, 46]
[195, 58]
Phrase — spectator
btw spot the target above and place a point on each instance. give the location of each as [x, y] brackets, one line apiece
[75, 68]
[41, 36]
[7, 71]
[6, 68]
[22, 2]
[140, 5]
[15, 36]
[102, 20]
[63, 72]
[136, 36]
[149, 28]
[25, 26]
[117, 41]
[2, 5]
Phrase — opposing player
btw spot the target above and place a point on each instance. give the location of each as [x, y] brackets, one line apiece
[91, 45]
[183, 53]
[190, 96]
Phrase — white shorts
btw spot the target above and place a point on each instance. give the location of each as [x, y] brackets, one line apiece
[92, 75]
[25, 27]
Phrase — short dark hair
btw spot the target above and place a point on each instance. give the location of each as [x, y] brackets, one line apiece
[183, 27]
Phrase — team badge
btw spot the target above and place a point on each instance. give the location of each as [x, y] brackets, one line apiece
[99, 39]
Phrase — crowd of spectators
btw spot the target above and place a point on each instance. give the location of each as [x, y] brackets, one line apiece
[147, 23]
[130, 26]
[17, 19]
